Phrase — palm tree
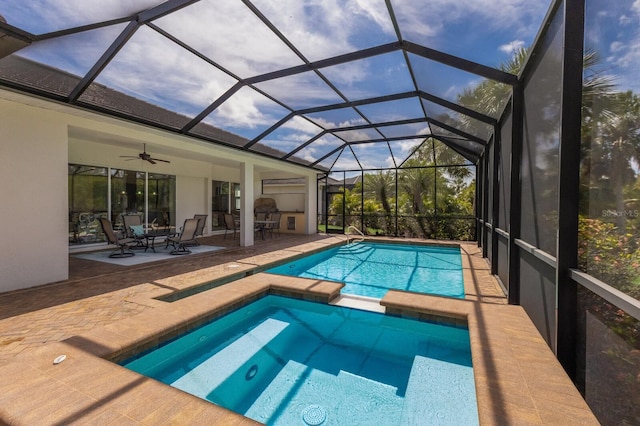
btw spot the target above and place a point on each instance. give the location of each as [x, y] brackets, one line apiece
[615, 147]
[609, 143]
[381, 186]
[417, 184]
[488, 97]
[348, 203]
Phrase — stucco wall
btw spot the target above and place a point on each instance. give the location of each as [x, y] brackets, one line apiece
[33, 190]
[191, 197]
[38, 139]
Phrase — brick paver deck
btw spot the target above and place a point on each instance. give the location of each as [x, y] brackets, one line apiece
[106, 312]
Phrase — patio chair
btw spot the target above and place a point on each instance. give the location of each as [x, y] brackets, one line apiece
[230, 225]
[186, 238]
[166, 219]
[274, 227]
[202, 220]
[124, 244]
[134, 228]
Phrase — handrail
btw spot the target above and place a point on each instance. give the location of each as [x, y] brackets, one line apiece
[351, 227]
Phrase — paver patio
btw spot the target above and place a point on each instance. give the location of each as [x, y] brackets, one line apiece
[106, 311]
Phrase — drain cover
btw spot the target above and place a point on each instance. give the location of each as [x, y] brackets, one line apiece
[314, 415]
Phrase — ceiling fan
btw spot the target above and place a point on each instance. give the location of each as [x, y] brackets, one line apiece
[144, 156]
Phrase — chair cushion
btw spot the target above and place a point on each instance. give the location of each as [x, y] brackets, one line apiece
[137, 229]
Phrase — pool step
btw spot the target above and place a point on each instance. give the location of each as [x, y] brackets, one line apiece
[355, 249]
[440, 393]
[358, 302]
[205, 378]
[346, 398]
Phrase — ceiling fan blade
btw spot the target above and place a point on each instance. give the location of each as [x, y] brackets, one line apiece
[144, 156]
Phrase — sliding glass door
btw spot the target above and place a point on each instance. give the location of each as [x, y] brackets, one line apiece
[161, 198]
[88, 200]
[127, 195]
[102, 192]
[225, 199]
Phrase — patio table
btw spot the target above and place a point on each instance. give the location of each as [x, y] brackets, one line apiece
[263, 224]
[151, 235]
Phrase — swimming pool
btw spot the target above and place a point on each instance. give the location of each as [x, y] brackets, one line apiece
[284, 361]
[371, 269]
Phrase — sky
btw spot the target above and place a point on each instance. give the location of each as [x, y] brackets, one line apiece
[153, 68]
[613, 31]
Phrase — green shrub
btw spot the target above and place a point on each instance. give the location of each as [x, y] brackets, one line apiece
[609, 255]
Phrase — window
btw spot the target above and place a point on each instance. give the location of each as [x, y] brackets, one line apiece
[222, 202]
[162, 200]
[610, 177]
[88, 194]
[127, 195]
[102, 192]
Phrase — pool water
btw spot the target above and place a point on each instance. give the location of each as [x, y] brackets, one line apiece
[371, 269]
[287, 362]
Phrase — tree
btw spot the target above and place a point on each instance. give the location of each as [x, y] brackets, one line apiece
[488, 96]
[378, 190]
[347, 204]
[613, 137]
[381, 186]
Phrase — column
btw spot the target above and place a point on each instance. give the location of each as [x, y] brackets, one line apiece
[246, 204]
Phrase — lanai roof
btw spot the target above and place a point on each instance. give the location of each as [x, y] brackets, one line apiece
[335, 84]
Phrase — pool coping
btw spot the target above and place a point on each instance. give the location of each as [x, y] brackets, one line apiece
[518, 379]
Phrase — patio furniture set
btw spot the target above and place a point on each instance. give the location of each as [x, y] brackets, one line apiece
[137, 236]
[263, 224]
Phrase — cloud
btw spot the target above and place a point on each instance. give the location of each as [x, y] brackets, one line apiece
[319, 148]
[623, 44]
[376, 11]
[347, 73]
[452, 92]
[346, 161]
[630, 59]
[73, 54]
[352, 122]
[300, 90]
[625, 20]
[302, 125]
[307, 155]
[323, 29]
[323, 122]
[404, 148]
[373, 155]
[247, 109]
[155, 69]
[616, 46]
[376, 162]
[227, 32]
[327, 123]
[512, 47]
[428, 22]
[359, 135]
[43, 16]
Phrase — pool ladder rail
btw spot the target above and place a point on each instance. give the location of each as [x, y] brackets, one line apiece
[357, 231]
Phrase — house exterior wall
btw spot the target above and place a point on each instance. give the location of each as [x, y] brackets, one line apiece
[33, 190]
[191, 197]
[38, 139]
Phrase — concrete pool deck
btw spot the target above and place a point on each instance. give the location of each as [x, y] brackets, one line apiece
[107, 313]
